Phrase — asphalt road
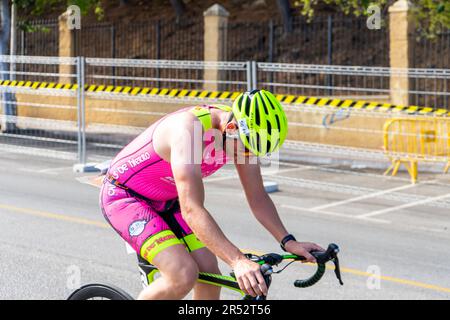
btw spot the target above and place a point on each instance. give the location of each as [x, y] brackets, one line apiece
[53, 237]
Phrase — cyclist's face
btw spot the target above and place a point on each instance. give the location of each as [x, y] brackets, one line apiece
[233, 141]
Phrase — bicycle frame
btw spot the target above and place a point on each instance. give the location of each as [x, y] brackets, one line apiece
[267, 261]
[148, 272]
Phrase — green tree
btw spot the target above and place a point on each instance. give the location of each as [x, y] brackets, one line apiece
[35, 8]
[432, 16]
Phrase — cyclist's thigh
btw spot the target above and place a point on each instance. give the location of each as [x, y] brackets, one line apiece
[206, 260]
[175, 262]
[136, 222]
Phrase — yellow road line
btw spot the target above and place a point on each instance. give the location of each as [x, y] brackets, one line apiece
[396, 280]
[54, 216]
[367, 274]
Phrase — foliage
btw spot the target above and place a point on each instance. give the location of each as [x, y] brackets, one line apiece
[432, 16]
[38, 7]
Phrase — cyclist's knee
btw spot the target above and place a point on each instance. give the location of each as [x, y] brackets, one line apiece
[185, 277]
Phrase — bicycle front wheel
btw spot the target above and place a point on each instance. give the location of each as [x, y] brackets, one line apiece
[99, 292]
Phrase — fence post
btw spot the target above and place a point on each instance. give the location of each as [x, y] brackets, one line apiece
[81, 120]
[271, 38]
[330, 51]
[158, 50]
[66, 47]
[400, 27]
[215, 40]
[113, 51]
[249, 76]
[254, 75]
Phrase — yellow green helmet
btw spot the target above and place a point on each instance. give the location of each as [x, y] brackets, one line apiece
[261, 120]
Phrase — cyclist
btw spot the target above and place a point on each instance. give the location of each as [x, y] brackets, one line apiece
[153, 194]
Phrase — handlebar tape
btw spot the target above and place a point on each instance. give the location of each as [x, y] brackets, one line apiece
[313, 279]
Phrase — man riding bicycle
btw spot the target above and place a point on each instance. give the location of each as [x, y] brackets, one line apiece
[153, 194]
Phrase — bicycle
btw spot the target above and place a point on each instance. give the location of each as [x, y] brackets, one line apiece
[267, 262]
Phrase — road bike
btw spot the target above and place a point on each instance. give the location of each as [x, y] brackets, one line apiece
[267, 262]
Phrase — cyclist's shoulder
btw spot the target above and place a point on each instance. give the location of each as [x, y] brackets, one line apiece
[178, 122]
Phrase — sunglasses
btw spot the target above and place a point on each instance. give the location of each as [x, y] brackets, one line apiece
[234, 136]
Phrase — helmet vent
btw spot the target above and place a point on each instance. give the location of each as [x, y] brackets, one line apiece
[277, 117]
[247, 105]
[257, 112]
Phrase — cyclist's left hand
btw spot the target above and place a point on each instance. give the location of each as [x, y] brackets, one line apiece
[303, 249]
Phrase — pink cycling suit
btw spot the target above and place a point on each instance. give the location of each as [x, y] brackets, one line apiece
[139, 196]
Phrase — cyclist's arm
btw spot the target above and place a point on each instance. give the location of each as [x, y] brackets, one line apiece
[188, 179]
[265, 212]
[259, 201]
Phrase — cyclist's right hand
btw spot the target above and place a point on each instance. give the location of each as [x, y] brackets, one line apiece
[249, 276]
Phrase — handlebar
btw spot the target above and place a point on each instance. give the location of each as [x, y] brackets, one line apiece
[269, 260]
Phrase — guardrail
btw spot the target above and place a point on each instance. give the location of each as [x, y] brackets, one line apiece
[408, 141]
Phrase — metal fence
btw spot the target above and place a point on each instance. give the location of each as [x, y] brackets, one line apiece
[355, 82]
[40, 119]
[108, 124]
[93, 124]
[153, 39]
[431, 53]
[333, 39]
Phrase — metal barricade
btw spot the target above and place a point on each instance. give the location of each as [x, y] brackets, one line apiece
[41, 106]
[410, 140]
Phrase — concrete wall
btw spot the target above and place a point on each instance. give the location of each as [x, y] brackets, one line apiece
[304, 126]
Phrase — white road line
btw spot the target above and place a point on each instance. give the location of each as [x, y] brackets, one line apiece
[336, 214]
[37, 171]
[50, 171]
[403, 206]
[275, 172]
[367, 196]
[55, 169]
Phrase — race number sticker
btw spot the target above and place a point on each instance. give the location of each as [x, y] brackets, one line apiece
[243, 128]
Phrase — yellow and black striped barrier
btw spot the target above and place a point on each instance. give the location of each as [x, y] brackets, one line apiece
[185, 93]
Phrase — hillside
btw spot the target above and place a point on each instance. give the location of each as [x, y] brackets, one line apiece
[140, 10]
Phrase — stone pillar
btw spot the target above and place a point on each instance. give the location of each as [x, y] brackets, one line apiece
[66, 48]
[400, 28]
[215, 42]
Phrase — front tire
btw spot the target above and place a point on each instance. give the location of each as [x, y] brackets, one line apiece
[99, 292]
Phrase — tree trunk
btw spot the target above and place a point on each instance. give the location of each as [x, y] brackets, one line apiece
[284, 7]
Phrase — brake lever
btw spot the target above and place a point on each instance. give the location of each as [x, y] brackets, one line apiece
[337, 270]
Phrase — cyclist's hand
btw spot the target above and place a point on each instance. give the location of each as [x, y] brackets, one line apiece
[303, 249]
[249, 277]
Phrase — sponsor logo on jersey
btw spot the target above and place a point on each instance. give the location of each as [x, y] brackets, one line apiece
[138, 160]
[137, 227]
[119, 171]
[157, 242]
